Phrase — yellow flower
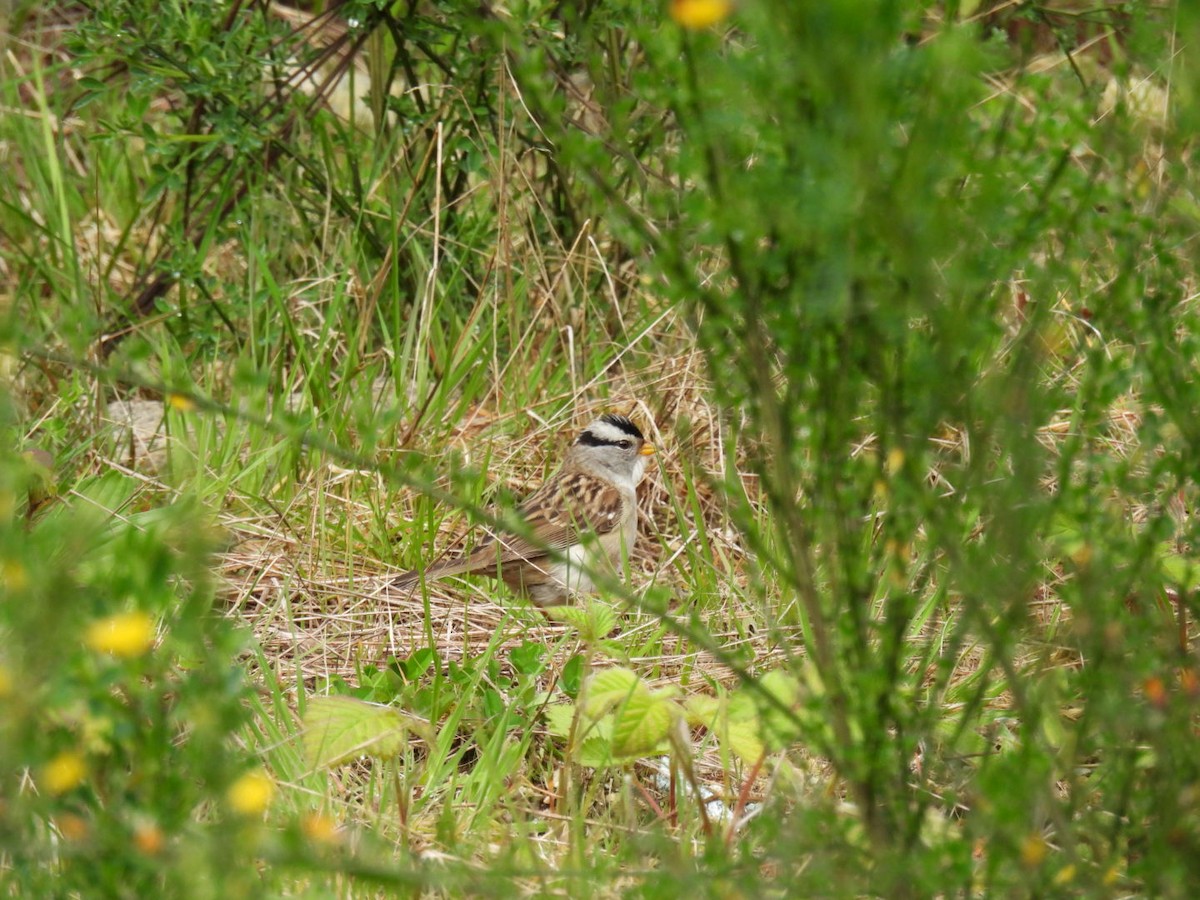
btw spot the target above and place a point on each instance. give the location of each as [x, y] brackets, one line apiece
[181, 403]
[6, 683]
[1082, 555]
[14, 575]
[251, 794]
[125, 635]
[63, 773]
[1033, 850]
[319, 828]
[698, 14]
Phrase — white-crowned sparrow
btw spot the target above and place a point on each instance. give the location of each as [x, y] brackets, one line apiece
[586, 513]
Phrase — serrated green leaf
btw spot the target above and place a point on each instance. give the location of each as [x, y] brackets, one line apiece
[784, 686]
[601, 621]
[559, 717]
[669, 693]
[574, 616]
[593, 730]
[741, 706]
[594, 620]
[701, 709]
[610, 687]
[616, 650]
[778, 729]
[527, 658]
[593, 744]
[640, 724]
[595, 753]
[339, 729]
[743, 739]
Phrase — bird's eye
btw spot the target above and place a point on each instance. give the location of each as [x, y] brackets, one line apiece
[624, 445]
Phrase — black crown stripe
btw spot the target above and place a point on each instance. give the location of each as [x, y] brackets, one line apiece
[590, 440]
[623, 423]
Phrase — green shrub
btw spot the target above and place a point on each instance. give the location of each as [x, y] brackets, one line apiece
[937, 261]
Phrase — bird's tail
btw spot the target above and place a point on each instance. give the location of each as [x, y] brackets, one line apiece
[409, 580]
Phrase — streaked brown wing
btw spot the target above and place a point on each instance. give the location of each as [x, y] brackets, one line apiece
[559, 514]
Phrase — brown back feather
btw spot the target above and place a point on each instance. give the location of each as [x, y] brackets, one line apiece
[558, 514]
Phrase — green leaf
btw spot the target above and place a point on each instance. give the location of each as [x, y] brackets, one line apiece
[1182, 571]
[594, 620]
[610, 687]
[418, 664]
[782, 685]
[493, 703]
[701, 709]
[778, 728]
[640, 724]
[527, 658]
[595, 753]
[1065, 536]
[744, 740]
[742, 706]
[602, 619]
[574, 616]
[572, 676]
[339, 729]
[559, 717]
[615, 650]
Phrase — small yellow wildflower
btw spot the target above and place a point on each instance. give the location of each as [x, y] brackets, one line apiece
[697, 14]
[14, 575]
[1033, 850]
[251, 794]
[124, 635]
[895, 459]
[6, 683]
[1065, 875]
[181, 403]
[319, 828]
[63, 773]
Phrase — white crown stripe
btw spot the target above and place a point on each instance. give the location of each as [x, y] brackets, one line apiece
[610, 430]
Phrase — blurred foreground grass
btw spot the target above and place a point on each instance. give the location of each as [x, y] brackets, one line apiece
[905, 294]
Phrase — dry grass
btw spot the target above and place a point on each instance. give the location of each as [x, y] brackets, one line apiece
[322, 612]
[310, 548]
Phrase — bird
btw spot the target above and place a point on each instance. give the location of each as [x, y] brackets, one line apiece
[582, 519]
